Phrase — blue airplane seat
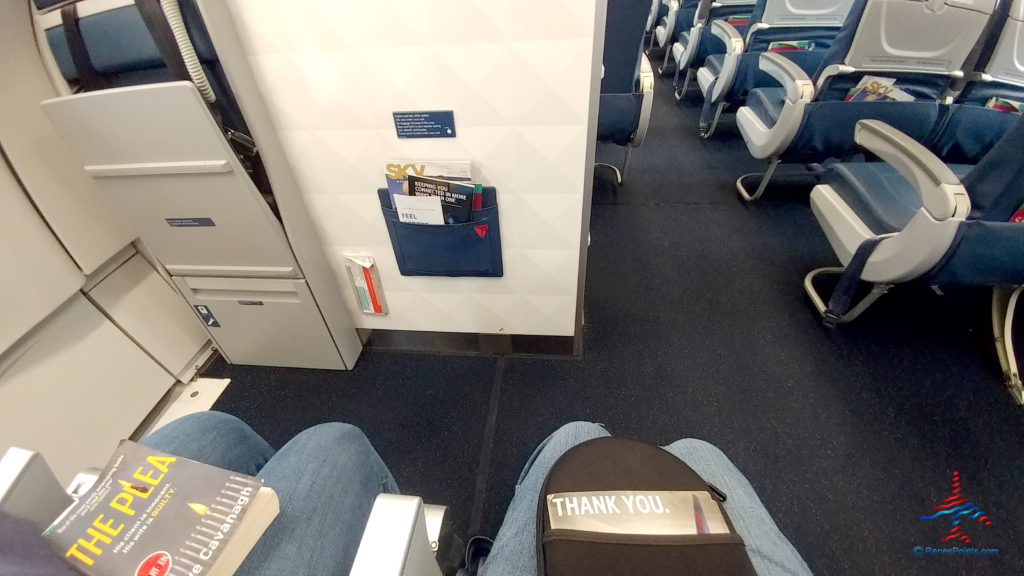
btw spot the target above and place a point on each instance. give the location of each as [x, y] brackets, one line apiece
[878, 193]
[932, 223]
[695, 43]
[921, 47]
[122, 51]
[984, 109]
[802, 31]
[627, 87]
[678, 16]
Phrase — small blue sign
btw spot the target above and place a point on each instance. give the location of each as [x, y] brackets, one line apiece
[189, 222]
[426, 124]
[206, 316]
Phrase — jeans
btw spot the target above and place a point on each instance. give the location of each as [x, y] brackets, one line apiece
[515, 548]
[326, 479]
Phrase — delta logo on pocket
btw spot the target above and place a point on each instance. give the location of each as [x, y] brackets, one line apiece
[481, 230]
[156, 564]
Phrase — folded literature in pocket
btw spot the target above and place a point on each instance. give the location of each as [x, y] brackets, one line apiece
[877, 89]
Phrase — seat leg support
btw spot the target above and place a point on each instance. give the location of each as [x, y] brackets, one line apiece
[821, 304]
[680, 92]
[1005, 300]
[620, 174]
[707, 131]
[766, 177]
[664, 63]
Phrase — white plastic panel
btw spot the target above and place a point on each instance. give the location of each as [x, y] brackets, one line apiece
[157, 150]
[87, 223]
[806, 12]
[1007, 62]
[520, 88]
[266, 322]
[38, 275]
[906, 35]
[76, 388]
[153, 314]
[1017, 10]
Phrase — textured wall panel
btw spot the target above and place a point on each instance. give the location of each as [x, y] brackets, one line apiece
[517, 76]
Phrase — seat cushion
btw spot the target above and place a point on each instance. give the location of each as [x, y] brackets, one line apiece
[714, 63]
[767, 103]
[883, 199]
[618, 117]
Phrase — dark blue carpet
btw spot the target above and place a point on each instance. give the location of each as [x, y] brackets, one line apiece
[697, 326]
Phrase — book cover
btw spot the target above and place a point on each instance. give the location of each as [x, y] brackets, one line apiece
[791, 46]
[396, 172]
[154, 514]
[738, 19]
[1004, 104]
[877, 89]
[456, 198]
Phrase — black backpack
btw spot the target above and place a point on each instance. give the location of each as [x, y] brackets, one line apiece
[613, 506]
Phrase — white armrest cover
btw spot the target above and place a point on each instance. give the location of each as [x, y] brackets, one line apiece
[395, 541]
[647, 89]
[734, 46]
[922, 243]
[941, 192]
[762, 141]
[663, 33]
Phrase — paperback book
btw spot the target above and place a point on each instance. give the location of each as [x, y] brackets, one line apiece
[154, 514]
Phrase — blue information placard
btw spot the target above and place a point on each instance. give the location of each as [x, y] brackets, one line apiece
[425, 124]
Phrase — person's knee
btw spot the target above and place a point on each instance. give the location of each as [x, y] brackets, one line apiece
[581, 428]
[333, 434]
[694, 445]
[206, 423]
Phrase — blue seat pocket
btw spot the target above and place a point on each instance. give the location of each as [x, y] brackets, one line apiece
[469, 249]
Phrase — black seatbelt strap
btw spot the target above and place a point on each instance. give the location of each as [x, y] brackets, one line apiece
[705, 110]
[842, 295]
[88, 78]
[159, 29]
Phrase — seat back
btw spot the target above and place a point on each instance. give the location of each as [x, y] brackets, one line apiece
[123, 52]
[814, 21]
[623, 45]
[709, 10]
[921, 42]
[988, 248]
[972, 127]
[996, 184]
[1006, 64]
[909, 36]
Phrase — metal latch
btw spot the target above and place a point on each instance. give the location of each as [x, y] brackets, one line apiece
[242, 143]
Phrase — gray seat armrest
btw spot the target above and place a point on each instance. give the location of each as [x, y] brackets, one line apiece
[942, 194]
[395, 541]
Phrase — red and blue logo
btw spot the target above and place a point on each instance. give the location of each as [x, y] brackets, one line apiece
[958, 508]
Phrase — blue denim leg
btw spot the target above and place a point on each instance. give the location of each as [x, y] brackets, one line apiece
[214, 438]
[769, 550]
[326, 478]
[515, 548]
